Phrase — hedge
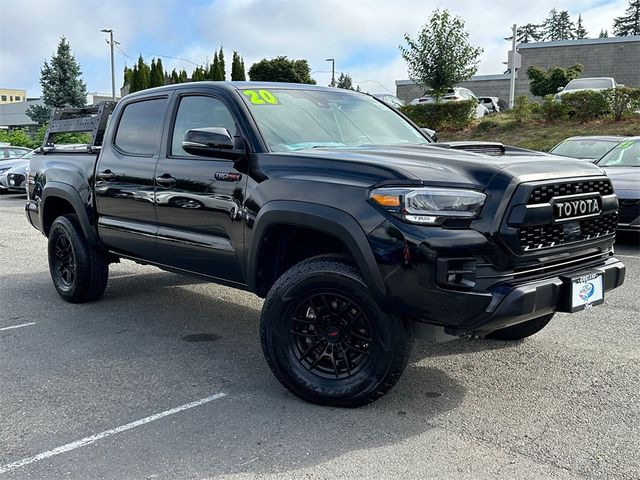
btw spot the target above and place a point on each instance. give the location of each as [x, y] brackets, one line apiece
[442, 115]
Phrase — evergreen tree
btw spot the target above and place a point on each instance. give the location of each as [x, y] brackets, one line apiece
[528, 33]
[161, 75]
[221, 69]
[183, 76]
[215, 67]
[604, 34]
[156, 74]
[580, 31]
[237, 68]
[61, 81]
[628, 24]
[144, 74]
[174, 76]
[558, 26]
[198, 74]
[345, 81]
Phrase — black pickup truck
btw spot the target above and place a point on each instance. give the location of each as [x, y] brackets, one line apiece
[357, 230]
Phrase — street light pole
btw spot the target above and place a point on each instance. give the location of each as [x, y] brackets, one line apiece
[113, 72]
[333, 71]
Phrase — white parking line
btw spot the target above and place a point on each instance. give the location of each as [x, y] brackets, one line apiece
[17, 326]
[107, 433]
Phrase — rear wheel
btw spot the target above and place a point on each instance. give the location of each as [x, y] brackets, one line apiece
[326, 339]
[78, 270]
[521, 330]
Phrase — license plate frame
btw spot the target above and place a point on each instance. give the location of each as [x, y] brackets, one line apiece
[586, 291]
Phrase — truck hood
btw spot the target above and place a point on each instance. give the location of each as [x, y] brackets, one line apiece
[434, 165]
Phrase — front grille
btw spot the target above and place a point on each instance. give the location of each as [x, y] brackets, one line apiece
[628, 210]
[545, 236]
[544, 193]
[18, 179]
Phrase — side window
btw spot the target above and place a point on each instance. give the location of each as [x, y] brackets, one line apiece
[199, 112]
[141, 126]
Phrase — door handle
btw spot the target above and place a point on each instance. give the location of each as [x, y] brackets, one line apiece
[107, 175]
[166, 180]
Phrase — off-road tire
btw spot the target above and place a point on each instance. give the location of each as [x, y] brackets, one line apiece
[389, 344]
[84, 276]
[521, 330]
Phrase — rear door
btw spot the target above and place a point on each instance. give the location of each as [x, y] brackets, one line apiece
[124, 184]
[199, 199]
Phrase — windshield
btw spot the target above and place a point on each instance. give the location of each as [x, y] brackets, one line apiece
[584, 148]
[589, 83]
[625, 154]
[297, 119]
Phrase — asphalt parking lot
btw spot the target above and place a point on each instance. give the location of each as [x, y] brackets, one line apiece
[164, 379]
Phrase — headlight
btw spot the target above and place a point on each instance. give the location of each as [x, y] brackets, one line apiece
[429, 205]
[2, 170]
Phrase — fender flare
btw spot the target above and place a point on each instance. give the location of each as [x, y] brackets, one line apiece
[326, 219]
[71, 195]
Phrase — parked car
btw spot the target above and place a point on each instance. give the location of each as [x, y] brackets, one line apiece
[586, 148]
[494, 104]
[389, 99]
[357, 230]
[11, 153]
[17, 168]
[595, 84]
[622, 165]
[456, 94]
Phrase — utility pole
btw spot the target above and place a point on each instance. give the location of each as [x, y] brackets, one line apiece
[512, 86]
[333, 71]
[113, 72]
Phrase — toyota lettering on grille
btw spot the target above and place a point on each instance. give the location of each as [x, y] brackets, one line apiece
[576, 208]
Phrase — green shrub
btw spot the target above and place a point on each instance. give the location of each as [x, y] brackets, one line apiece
[585, 105]
[17, 137]
[551, 110]
[522, 108]
[442, 115]
[623, 101]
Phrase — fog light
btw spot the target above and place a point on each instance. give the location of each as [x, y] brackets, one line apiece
[458, 273]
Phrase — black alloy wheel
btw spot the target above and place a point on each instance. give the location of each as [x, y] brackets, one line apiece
[327, 340]
[64, 263]
[331, 335]
[79, 270]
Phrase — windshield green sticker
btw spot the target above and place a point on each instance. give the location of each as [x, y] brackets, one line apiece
[625, 144]
[261, 97]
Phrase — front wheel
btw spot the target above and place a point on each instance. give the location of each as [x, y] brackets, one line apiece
[521, 330]
[326, 339]
[78, 270]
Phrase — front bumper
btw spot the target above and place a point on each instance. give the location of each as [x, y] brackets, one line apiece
[514, 304]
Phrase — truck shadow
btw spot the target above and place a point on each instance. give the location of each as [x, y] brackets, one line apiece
[155, 318]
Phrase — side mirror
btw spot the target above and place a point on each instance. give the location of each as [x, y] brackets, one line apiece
[212, 142]
[560, 89]
[431, 134]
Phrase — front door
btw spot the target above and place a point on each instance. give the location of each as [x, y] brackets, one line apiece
[199, 199]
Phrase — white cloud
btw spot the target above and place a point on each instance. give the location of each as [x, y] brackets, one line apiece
[313, 29]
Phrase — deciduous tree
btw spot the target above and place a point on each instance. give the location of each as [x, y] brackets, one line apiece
[441, 56]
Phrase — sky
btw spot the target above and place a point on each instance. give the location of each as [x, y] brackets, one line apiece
[362, 35]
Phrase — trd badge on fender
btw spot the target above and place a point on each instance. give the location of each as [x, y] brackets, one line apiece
[577, 208]
[228, 177]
